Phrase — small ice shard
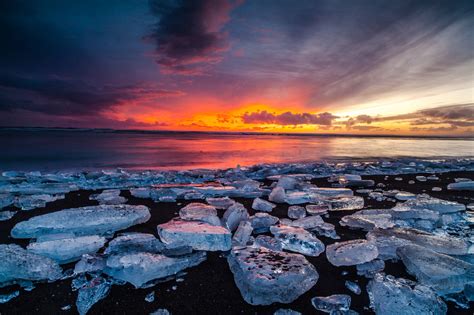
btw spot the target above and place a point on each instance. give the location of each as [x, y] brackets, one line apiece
[264, 276]
[150, 297]
[140, 268]
[326, 229]
[466, 185]
[436, 189]
[234, 215]
[435, 204]
[298, 240]
[282, 311]
[296, 212]
[318, 209]
[69, 249]
[5, 298]
[392, 296]
[332, 192]
[369, 269]
[432, 177]
[367, 222]
[443, 273]
[92, 220]
[161, 311]
[220, 203]
[404, 195]
[89, 264]
[141, 192]
[351, 253]
[444, 244]
[7, 215]
[138, 242]
[259, 204]
[332, 303]
[268, 242]
[277, 195]
[346, 203]
[421, 178]
[92, 292]
[198, 235]
[30, 202]
[242, 234]
[109, 197]
[298, 197]
[353, 287]
[308, 223]
[17, 264]
[261, 222]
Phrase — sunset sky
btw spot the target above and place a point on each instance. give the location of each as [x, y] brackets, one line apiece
[361, 66]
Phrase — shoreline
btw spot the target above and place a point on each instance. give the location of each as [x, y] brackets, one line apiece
[209, 287]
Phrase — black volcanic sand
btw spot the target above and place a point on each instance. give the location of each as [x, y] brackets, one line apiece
[209, 288]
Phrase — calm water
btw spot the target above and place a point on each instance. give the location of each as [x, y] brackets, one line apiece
[52, 150]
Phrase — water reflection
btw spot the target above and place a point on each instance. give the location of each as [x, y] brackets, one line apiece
[70, 150]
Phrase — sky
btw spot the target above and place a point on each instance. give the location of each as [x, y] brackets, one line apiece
[400, 67]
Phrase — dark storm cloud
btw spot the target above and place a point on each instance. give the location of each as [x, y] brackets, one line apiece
[68, 97]
[189, 33]
[288, 118]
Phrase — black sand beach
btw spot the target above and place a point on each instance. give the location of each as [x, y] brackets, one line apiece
[209, 288]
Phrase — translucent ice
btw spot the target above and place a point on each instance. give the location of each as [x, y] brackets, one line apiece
[298, 240]
[200, 212]
[369, 269]
[351, 253]
[268, 242]
[220, 203]
[92, 292]
[83, 221]
[198, 235]
[30, 202]
[137, 242]
[367, 221]
[242, 234]
[346, 203]
[277, 195]
[66, 250]
[262, 205]
[296, 212]
[465, 185]
[332, 303]
[264, 276]
[261, 222]
[435, 204]
[109, 197]
[234, 215]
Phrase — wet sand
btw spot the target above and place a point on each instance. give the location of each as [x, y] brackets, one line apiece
[209, 288]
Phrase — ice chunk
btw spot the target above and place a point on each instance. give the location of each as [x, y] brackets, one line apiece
[7, 215]
[287, 182]
[141, 192]
[443, 273]
[346, 203]
[242, 235]
[138, 242]
[298, 240]
[67, 250]
[351, 253]
[308, 223]
[220, 203]
[469, 291]
[6, 200]
[92, 292]
[369, 269]
[198, 235]
[403, 195]
[161, 311]
[277, 195]
[353, 287]
[391, 296]
[441, 243]
[5, 298]
[435, 204]
[326, 229]
[298, 197]
[264, 276]
[268, 242]
[261, 222]
[83, 221]
[150, 297]
[333, 192]
[465, 185]
[296, 212]
[109, 197]
[17, 264]
[200, 212]
[318, 209]
[262, 205]
[332, 303]
[282, 311]
[140, 268]
[234, 215]
[89, 263]
[358, 183]
[368, 221]
[30, 202]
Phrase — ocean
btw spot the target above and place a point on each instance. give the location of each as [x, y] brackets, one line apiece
[50, 149]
